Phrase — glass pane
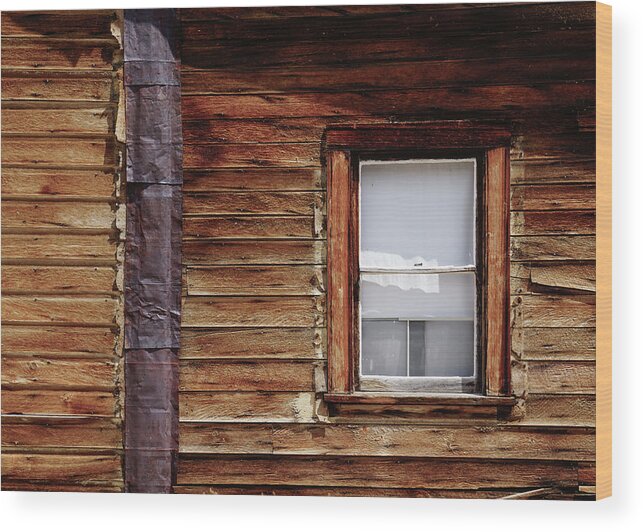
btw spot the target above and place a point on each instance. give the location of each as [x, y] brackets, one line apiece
[417, 214]
[438, 310]
[418, 296]
[383, 347]
[441, 348]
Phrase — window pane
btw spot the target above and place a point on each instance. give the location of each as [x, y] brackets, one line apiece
[438, 310]
[417, 214]
[384, 347]
[418, 296]
[441, 348]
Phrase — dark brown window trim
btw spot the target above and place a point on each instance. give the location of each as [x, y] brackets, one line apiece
[343, 148]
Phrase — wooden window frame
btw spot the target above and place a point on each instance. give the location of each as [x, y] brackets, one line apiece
[344, 147]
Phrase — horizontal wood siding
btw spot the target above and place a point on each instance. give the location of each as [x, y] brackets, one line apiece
[61, 345]
[259, 87]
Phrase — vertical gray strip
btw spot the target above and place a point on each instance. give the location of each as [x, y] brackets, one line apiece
[153, 248]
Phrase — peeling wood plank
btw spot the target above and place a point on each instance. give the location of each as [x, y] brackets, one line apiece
[58, 403]
[557, 170]
[553, 197]
[557, 311]
[37, 53]
[562, 377]
[387, 103]
[242, 155]
[54, 151]
[283, 311]
[248, 343]
[411, 74]
[249, 227]
[60, 86]
[212, 54]
[36, 372]
[538, 343]
[441, 21]
[553, 277]
[254, 252]
[59, 215]
[387, 472]
[57, 339]
[560, 410]
[75, 248]
[386, 440]
[46, 485]
[71, 24]
[68, 468]
[525, 248]
[58, 279]
[247, 406]
[271, 179]
[52, 121]
[286, 203]
[83, 183]
[239, 376]
[255, 280]
[52, 309]
[74, 432]
[553, 223]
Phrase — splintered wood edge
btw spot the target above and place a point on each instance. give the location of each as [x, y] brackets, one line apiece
[604, 250]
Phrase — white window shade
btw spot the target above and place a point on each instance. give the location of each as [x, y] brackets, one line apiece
[417, 214]
[445, 296]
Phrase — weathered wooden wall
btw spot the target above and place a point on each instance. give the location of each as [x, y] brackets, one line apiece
[259, 87]
[61, 285]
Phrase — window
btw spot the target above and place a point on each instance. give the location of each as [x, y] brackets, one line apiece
[417, 275]
[418, 261]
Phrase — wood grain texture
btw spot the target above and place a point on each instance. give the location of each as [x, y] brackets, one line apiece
[252, 342]
[251, 280]
[247, 406]
[286, 203]
[57, 121]
[22, 85]
[61, 468]
[254, 251]
[59, 309]
[251, 375]
[58, 403]
[340, 318]
[254, 119]
[58, 215]
[63, 183]
[255, 227]
[283, 311]
[373, 472]
[37, 53]
[57, 339]
[62, 384]
[386, 440]
[271, 179]
[36, 372]
[496, 304]
[58, 279]
[73, 432]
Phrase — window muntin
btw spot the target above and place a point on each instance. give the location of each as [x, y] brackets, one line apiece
[418, 286]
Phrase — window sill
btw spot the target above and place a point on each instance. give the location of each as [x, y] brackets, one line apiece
[420, 408]
[366, 398]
